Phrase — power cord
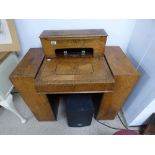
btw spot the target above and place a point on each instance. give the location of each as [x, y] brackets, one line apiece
[122, 122]
[115, 128]
[140, 131]
[109, 126]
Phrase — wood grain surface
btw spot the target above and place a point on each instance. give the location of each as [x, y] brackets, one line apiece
[23, 79]
[93, 38]
[74, 75]
[59, 34]
[114, 75]
[126, 77]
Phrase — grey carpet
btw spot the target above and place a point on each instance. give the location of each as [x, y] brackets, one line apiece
[10, 124]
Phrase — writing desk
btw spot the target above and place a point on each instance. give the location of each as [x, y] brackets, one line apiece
[112, 75]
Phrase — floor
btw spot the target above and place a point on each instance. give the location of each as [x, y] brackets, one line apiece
[10, 124]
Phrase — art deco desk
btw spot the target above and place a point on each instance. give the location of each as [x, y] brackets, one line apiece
[109, 79]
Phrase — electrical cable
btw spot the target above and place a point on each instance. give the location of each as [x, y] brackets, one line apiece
[122, 122]
[115, 128]
[140, 131]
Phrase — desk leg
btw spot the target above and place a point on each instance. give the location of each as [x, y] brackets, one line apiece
[38, 103]
[111, 102]
[126, 77]
[23, 78]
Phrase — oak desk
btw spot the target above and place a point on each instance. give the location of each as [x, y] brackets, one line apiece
[113, 76]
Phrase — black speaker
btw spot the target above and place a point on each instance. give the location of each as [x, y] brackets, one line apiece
[79, 109]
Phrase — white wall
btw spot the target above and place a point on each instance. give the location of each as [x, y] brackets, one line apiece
[141, 50]
[119, 31]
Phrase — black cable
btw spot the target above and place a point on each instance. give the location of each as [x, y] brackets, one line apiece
[122, 122]
[114, 128]
[110, 126]
[140, 131]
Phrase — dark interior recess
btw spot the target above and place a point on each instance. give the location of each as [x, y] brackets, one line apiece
[54, 103]
[97, 97]
[55, 98]
[74, 52]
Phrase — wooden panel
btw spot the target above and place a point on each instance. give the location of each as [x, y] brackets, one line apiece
[119, 62]
[70, 75]
[73, 33]
[23, 79]
[98, 45]
[126, 77]
[64, 39]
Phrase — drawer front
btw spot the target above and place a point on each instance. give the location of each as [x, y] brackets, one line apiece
[49, 46]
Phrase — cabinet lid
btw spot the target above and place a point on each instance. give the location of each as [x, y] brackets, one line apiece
[72, 75]
[73, 33]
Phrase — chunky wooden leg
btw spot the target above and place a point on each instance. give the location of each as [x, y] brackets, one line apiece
[23, 79]
[125, 75]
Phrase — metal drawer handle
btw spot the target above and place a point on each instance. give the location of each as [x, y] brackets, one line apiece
[83, 52]
[65, 53]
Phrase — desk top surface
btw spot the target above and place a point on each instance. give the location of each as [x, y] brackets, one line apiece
[118, 61]
[61, 34]
[74, 74]
[78, 73]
